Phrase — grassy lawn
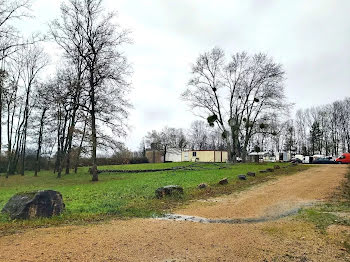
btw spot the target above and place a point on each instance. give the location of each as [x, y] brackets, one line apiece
[128, 194]
[145, 166]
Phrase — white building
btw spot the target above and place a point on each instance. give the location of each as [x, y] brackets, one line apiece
[173, 155]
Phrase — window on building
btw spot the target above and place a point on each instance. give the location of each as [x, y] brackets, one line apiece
[194, 153]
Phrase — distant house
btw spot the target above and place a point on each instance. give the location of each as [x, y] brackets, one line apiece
[177, 155]
[204, 156]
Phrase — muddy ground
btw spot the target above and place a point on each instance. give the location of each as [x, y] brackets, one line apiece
[283, 239]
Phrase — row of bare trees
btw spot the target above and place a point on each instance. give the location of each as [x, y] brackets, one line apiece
[80, 107]
[321, 130]
[318, 130]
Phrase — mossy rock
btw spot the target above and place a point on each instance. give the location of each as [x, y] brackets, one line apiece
[27, 205]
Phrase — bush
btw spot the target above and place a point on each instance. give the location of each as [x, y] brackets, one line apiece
[138, 160]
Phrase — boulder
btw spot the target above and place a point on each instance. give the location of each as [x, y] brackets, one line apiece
[242, 177]
[269, 170]
[202, 185]
[169, 191]
[262, 171]
[26, 205]
[223, 181]
[276, 167]
[250, 174]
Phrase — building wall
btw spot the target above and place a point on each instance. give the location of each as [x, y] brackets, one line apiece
[154, 156]
[173, 155]
[186, 156]
[205, 156]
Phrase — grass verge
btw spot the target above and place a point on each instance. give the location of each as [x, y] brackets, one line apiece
[124, 195]
[335, 212]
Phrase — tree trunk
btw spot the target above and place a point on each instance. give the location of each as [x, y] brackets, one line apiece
[79, 149]
[2, 77]
[93, 129]
[165, 148]
[58, 154]
[38, 152]
[1, 87]
[59, 166]
[244, 149]
[244, 154]
[70, 139]
[23, 158]
[25, 118]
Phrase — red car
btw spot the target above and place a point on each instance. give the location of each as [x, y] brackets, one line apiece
[344, 159]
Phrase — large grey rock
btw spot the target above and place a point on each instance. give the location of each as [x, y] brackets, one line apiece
[242, 177]
[262, 171]
[277, 167]
[168, 191]
[223, 181]
[269, 170]
[250, 174]
[44, 203]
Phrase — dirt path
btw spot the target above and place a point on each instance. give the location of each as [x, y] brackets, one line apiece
[160, 240]
[274, 198]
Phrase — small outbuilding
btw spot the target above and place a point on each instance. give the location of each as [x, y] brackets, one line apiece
[155, 156]
[177, 155]
[205, 156]
[173, 155]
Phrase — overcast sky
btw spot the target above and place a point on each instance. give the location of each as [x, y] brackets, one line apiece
[310, 38]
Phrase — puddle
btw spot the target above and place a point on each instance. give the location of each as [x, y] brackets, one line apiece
[179, 217]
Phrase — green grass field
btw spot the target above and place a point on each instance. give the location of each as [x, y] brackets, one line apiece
[129, 194]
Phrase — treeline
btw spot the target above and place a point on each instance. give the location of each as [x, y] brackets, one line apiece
[70, 113]
[318, 130]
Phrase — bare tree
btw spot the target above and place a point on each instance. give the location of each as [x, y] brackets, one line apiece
[198, 135]
[25, 68]
[87, 31]
[42, 105]
[82, 132]
[236, 94]
[10, 11]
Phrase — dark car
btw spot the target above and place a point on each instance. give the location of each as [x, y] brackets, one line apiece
[323, 161]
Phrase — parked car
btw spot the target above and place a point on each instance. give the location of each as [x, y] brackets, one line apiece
[343, 159]
[323, 161]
